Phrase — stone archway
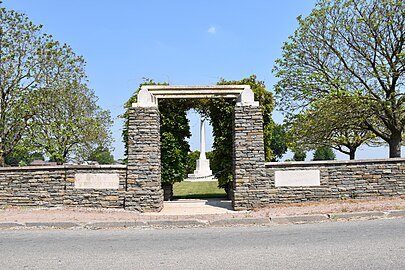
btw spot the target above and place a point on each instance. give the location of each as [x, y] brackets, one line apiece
[144, 143]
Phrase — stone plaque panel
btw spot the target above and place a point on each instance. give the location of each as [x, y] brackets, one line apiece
[297, 178]
[97, 181]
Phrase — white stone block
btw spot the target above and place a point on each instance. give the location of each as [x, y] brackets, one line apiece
[97, 181]
[297, 178]
[145, 99]
[203, 168]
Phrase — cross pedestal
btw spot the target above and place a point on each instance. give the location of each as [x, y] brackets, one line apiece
[202, 171]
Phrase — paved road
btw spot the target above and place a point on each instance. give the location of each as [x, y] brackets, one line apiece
[378, 244]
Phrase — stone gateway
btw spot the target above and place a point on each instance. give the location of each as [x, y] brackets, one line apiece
[137, 186]
[144, 144]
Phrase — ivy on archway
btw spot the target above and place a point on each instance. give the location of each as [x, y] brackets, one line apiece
[174, 129]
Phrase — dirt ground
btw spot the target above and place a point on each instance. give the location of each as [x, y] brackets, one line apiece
[335, 206]
[14, 214]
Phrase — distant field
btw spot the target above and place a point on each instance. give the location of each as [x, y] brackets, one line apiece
[198, 190]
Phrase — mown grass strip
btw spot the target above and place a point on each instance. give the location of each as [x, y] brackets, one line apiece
[187, 190]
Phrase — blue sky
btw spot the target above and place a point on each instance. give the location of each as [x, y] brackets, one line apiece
[180, 42]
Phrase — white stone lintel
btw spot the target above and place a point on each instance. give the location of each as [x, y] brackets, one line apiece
[149, 95]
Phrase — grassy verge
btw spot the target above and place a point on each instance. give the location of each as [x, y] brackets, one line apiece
[188, 190]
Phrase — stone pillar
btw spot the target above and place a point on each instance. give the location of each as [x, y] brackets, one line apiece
[249, 175]
[143, 174]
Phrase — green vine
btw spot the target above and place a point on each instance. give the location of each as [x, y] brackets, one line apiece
[174, 129]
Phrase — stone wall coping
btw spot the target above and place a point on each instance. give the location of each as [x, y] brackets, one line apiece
[64, 167]
[332, 162]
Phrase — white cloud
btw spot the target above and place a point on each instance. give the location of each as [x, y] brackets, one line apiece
[212, 30]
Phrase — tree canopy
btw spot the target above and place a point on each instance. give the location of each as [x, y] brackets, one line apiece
[20, 74]
[351, 51]
[326, 123]
[192, 158]
[278, 142]
[101, 155]
[299, 155]
[324, 153]
[174, 129]
[70, 123]
[20, 157]
[45, 103]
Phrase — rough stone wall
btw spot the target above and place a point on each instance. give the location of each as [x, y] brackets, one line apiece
[340, 179]
[254, 180]
[54, 186]
[249, 176]
[144, 171]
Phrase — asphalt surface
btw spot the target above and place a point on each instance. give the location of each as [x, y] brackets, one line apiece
[370, 244]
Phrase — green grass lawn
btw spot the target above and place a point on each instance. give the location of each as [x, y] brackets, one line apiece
[187, 190]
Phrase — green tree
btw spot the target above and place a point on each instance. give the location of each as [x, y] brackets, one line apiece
[38, 76]
[192, 158]
[70, 124]
[324, 153]
[299, 155]
[278, 142]
[21, 157]
[321, 125]
[102, 155]
[20, 74]
[352, 51]
[174, 129]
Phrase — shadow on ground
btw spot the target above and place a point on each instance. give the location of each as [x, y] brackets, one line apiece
[197, 206]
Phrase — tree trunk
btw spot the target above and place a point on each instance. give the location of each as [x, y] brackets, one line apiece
[229, 190]
[167, 191]
[395, 145]
[352, 154]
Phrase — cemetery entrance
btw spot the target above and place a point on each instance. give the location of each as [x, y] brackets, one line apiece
[144, 167]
